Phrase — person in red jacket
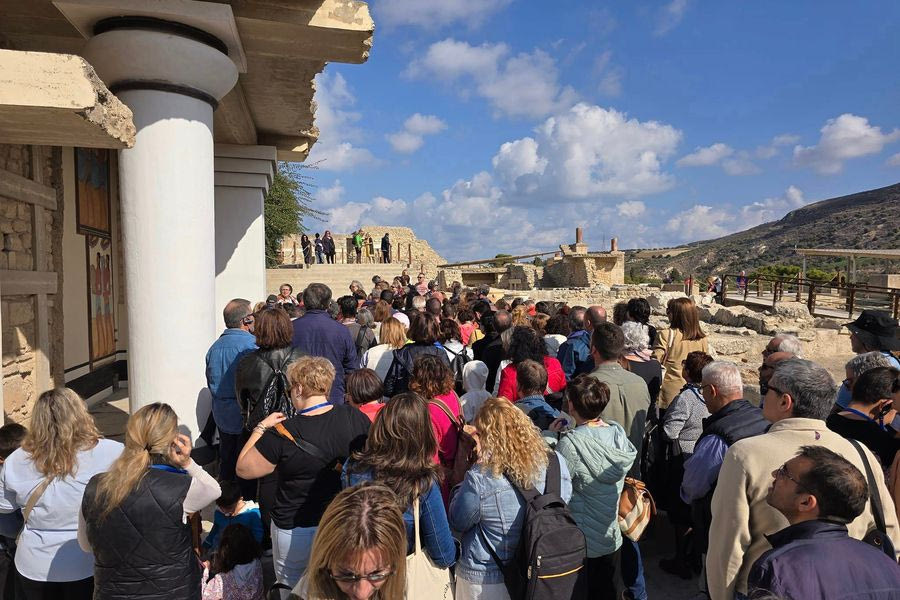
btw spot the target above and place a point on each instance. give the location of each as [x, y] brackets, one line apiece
[525, 344]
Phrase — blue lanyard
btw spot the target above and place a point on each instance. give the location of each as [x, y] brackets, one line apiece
[169, 468]
[866, 417]
[312, 408]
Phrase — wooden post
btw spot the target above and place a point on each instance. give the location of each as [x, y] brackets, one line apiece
[758, 286]
[811, 299]
[776, 288]
[851, 299]
[799, 287]
[895, 309]
[40, 249]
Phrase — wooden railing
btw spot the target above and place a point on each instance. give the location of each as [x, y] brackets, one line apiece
[849, 296]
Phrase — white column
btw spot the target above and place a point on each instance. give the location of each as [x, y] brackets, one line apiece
[243, 176]
[171, 83]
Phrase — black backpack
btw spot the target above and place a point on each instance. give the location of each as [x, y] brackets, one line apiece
[547, 564]
[274, 396]
[456, 367]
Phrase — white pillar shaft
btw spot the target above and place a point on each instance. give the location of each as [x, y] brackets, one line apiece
[240, 245]
[167, 195]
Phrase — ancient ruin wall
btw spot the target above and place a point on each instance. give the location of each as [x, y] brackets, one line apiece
[19, 331]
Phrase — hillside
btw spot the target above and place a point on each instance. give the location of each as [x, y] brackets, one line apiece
[865, 220]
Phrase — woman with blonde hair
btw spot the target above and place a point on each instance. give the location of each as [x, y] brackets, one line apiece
[487, 509]
[674, 344]
[392, 336]
[306, 452]
[360, 549]
[45, 478]
[139, 508]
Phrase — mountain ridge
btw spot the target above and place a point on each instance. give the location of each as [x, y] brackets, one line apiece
[864, 220]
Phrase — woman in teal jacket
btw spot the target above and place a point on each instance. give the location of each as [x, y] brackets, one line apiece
[598, 455]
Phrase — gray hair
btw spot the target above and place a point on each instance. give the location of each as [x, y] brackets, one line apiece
[418, 302]
[506, 338]
[637, 336]
[724, 375]
[316, 296]
[235, 311]
[356, 283]
[364, 317]
[861, 363]
[789, 343]
[810, 386]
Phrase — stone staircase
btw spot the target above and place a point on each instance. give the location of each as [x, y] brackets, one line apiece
[336, 277]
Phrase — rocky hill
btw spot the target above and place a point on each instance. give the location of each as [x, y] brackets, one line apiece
[865, 220]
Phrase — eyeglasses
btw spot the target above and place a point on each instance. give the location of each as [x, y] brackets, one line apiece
[772, 388]
[783, 472]
[352, 578]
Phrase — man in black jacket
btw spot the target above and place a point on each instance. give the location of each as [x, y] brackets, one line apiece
[489, 349]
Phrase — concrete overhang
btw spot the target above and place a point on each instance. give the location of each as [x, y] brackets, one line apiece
[285, 44]
[58, 100]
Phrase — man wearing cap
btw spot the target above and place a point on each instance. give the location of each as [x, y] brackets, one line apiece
[873, 331]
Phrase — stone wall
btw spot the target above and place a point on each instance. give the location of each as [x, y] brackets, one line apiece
[19, 328]
[413, 254]
[607, 268]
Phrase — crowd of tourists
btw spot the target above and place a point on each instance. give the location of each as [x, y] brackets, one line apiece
[322, 249]
[409, 442]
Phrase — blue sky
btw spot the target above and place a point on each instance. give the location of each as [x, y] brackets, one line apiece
[495, 126]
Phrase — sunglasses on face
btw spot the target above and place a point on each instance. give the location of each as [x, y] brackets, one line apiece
[374, 578]
[783, 472]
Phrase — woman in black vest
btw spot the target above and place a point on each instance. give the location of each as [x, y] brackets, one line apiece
[134, 517]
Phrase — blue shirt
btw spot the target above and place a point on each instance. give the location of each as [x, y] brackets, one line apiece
[317, 334]
[249, 517]
[701, 470]
[537, 409]
[575, 354]
[221, 366]
[818, 559]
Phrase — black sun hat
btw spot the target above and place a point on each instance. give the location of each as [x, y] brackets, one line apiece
[877, 329]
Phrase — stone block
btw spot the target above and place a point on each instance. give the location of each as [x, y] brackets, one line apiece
[21, 225]
[23, 337]
[793, 310]
[20, 312]
[824, 323]
[729, 346]
[23, 261]
[23, 211]
[9, 208]
[5, 225]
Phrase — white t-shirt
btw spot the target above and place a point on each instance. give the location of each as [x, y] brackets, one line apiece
[379, 359]
[48, 549]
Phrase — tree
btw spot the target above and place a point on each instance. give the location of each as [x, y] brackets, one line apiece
[675, 275]
[286, 205]
[537, 261]
[501, 262]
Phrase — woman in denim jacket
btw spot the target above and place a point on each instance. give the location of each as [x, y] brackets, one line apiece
[400, 453]
[508, 445]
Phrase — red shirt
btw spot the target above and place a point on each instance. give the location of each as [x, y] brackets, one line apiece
[371, 409]
[556, 379]
[446, 435]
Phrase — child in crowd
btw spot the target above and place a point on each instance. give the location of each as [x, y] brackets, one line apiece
[232, 508]
[475, 374]
[235, 572]
[11, 436]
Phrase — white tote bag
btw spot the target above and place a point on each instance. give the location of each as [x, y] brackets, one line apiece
[424, 580]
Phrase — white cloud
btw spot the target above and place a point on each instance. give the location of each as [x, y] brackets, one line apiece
[771, 209]
[433, 15]
[706, 157]
[524, 85]
[700, 222]
[336, 149]
[631, 208]
[609, 76]
[415, 128]
[670, 16]
[894, 161]
[591, 151]
[732, 162]
[520, 165]
[770, 150]
[843, 138]
[328, 197]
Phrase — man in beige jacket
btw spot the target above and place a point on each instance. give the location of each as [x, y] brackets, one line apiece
[799, 398]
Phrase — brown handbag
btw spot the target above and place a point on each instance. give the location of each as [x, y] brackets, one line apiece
[636, 508]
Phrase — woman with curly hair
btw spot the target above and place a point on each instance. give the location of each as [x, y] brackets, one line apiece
[487, 509]
[400, 454]
[431, 378]
[525, 344]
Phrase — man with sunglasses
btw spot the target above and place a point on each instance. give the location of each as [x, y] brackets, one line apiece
[799, 399]
[819, 492]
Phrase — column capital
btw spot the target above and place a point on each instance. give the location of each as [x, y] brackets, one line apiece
[178, 46]
[245, 166]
